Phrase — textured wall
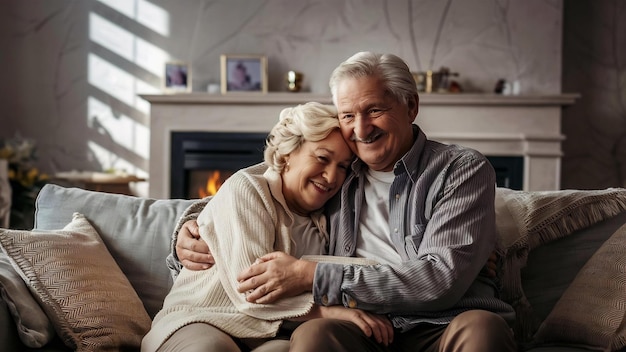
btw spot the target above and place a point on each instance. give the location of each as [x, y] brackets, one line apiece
[75, 67]
[594, 64]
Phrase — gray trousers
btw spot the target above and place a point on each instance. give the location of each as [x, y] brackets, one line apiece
[476, 331]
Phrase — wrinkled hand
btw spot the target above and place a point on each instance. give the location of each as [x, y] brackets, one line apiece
[191, 250]
[372, 325]
[276, 275]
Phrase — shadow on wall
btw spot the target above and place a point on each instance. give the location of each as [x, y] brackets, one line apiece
[594, 65]
[620, 156]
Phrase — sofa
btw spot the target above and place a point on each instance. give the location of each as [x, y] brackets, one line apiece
[92, 273]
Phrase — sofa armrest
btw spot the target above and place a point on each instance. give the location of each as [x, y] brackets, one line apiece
[33, 328]
[9, 340]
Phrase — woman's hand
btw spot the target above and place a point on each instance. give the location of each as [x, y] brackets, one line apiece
[372, 325]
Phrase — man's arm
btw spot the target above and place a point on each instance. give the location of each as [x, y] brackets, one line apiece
[418, 284]
[186, 246]
[296, 276]
[276, 275]
[449, 251]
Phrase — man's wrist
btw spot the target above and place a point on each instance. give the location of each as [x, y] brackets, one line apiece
[308, 274]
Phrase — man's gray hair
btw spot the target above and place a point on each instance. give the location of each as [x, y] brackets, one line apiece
[306, 122]
[392, 70]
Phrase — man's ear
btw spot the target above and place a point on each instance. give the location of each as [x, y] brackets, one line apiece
[413, 106]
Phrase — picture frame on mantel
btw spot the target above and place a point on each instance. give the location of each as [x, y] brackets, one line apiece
[177, 77]
[243, 73]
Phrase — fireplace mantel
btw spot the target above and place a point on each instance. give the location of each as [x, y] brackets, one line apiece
[496, 125]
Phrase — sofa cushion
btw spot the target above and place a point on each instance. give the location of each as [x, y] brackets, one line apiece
[33, 326]
[91, 304]
[552, 267]
[527, 220]
[592, 311]
[136, 231]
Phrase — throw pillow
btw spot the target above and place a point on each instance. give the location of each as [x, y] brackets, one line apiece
[592, 311]
[526, 220]
[91, 303]
[136, 231]
[33, 326]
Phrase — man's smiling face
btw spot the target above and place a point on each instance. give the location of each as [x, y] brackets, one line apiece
[376, 125]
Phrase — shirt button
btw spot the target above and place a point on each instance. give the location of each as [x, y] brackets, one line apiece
[395, 230]
[325, 300]
[351, 303]
[397, 197]
[347, 248]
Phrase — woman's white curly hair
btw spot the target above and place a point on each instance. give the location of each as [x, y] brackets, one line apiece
[306, 122]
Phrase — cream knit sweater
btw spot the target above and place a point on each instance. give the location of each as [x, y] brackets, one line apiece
[246, 219]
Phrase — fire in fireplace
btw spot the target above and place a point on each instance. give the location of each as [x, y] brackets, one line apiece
[214, 180]
[202, 161]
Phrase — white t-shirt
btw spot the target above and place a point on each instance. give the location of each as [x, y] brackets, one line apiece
[374, 240]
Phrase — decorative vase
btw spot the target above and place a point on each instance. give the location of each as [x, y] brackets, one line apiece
[5, 194]
[294, 81]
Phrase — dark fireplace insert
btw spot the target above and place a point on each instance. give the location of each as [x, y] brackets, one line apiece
[202, 161]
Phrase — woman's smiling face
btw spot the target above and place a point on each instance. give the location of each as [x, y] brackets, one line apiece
[315, 172]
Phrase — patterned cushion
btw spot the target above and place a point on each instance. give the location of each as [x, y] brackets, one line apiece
[80, 287]
[136, 231]
[592, 311]
[527, 220]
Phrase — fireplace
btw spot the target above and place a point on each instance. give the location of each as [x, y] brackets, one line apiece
[523, 130]
[202, 161]
[509, 171]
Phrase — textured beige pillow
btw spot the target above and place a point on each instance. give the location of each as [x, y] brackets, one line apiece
[592, 311]
[526, 220]
[91, 303]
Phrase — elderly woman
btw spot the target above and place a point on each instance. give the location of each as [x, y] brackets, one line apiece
[267, 207]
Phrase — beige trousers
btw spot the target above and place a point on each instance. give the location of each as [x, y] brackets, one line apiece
[201, 337]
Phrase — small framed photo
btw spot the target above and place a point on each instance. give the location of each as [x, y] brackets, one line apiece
[244, 73]
[177, 77]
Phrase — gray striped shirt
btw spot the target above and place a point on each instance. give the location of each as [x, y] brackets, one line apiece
[442, 224]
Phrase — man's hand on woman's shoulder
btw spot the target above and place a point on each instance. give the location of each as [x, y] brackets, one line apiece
[191, 250]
